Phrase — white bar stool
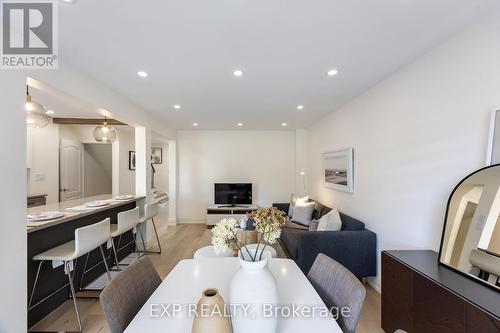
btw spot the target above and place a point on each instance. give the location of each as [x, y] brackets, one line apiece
[127, 221]
[150, 211]
[87, 239]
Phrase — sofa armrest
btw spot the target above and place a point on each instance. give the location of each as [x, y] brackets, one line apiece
[356, 250]
[282, 206]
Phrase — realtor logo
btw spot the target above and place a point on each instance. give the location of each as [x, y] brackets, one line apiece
[29, 35]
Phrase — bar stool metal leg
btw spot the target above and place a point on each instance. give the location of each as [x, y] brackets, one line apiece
[156, 233]
[142, 239]
[157, 239]
[34, 284]
[73, 295]
[115, 255]
[105, 262]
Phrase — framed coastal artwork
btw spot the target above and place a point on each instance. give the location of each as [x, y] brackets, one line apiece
[338, 170]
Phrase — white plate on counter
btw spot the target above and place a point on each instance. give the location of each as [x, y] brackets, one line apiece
[82, 208]
[123, 197]
[97, 203]
[45, 216]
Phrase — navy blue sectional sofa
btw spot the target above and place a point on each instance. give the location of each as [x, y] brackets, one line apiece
[355, 247]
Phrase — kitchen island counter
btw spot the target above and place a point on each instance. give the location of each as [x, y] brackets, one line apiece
[69, 215]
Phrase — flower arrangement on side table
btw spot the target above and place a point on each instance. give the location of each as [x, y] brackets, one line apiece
[267, 222]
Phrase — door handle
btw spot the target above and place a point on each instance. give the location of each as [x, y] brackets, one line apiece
[64, 189]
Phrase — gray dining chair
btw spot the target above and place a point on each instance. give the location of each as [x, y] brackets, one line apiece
[125, 295]
[338, 288]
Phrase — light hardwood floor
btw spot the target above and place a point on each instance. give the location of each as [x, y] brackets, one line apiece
[178, 242]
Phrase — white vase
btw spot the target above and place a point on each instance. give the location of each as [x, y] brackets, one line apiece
[253, 287]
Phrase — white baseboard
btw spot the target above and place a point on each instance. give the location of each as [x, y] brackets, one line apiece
[191, 221]
[374, 284]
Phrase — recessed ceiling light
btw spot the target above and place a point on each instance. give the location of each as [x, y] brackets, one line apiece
[300, 107]
[49, 112]
[238, 73]
[196, 124]
[142, 74]
[333, 72]
[177, 106]
[68, 1]
[239, 124]
[284, 124]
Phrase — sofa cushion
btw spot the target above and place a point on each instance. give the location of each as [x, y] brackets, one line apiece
[350, 223]
[295, 226]
[318, 208]
[314, 225]
[330, 221]
[291, 241]
[303, 212]
[293, 201]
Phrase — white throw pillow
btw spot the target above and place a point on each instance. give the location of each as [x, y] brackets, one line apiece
[303, 211]
[330, 221]
[293, 202]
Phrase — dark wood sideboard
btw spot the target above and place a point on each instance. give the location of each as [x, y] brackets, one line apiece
[421, 296]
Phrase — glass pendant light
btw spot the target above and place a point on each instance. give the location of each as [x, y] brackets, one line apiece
[35, 113]
[104, 133]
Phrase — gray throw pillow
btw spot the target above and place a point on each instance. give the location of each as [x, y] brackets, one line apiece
[314, 225]
[302, 213]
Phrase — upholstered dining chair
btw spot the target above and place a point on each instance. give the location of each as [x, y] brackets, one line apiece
[339, 288]
[125, 295]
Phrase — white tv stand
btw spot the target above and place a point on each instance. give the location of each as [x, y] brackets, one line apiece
[215, 213]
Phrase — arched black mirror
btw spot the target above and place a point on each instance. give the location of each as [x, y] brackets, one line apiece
[471, 235]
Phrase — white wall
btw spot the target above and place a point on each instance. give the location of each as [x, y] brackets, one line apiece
[43, 176]
[97, 168]
[13, 317]
[415, 136]
[264, 158]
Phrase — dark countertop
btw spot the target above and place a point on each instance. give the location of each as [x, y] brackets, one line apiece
[426, 262]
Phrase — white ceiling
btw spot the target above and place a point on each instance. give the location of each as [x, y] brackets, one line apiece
[285, 47]
[64, 106]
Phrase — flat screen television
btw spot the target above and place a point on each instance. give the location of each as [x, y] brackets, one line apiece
[233, 194]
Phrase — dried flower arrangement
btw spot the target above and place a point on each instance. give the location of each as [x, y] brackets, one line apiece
[267, 222]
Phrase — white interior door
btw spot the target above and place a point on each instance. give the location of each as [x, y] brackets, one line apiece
[70, 170]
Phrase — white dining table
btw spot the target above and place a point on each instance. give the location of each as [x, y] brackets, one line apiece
[186, 282]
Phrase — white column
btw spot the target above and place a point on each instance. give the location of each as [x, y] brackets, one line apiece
[172, 181]
[143, 172]
[115, 176]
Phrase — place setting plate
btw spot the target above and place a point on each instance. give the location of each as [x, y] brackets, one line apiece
[44, 216]
[97, 203]
[123, 197]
